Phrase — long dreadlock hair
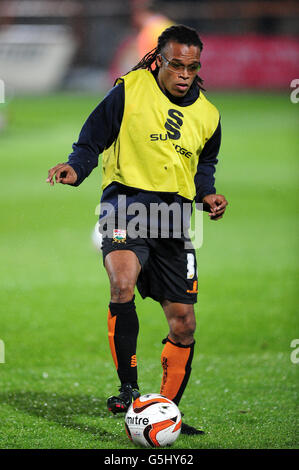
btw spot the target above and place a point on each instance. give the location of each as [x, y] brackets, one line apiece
[178, 33]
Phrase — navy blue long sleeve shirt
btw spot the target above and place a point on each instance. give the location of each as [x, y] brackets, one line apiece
[100, 131]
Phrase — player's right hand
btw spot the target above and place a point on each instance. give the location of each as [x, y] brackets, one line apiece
[63, 173]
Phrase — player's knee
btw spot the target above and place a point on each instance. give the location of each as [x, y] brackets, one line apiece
[182, 328]
[122, 289]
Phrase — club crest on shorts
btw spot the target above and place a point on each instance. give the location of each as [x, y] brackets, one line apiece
[119, 235]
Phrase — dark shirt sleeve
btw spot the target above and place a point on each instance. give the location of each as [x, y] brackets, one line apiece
[98, 133]
[204, 178]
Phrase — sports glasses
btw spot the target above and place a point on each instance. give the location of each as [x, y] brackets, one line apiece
[176, 67]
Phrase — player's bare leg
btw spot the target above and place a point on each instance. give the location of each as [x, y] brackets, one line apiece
[123, 269]
[177, 354]
[181, 321]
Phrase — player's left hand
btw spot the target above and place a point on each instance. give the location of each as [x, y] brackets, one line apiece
[217, 203]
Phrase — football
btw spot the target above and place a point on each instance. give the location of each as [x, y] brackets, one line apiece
[153, 420]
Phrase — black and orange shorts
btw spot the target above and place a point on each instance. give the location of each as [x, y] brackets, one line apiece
[168, 268]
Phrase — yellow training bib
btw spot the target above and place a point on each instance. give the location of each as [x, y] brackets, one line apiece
[159, 143]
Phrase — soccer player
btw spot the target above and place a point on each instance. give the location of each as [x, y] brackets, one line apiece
[160, 138]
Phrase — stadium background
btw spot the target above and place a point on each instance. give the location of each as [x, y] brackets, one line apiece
[57, 60]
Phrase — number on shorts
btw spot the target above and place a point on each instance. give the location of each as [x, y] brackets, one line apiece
[190, 265]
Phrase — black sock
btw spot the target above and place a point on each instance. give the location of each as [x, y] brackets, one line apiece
[123, 327]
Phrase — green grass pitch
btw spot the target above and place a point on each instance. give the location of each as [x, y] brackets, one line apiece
[54, 291]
